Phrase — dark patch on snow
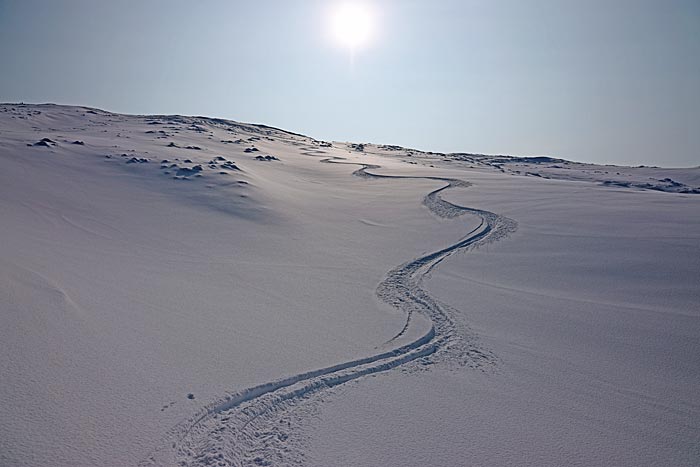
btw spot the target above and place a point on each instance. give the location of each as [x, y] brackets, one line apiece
[137, 160]
[46, 142]
[188, 171]
[230, 165]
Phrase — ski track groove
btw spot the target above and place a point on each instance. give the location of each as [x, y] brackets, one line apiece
[240, 429]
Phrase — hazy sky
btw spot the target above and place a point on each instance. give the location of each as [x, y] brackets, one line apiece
[614, 81]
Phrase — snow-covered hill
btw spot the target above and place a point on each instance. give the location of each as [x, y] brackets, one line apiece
[195, 291]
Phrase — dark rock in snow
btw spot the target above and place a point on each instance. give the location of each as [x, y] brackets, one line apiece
[46, 142]
[137, 160]
[230, 165]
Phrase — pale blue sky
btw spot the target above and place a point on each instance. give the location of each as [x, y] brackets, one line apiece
[614, 81]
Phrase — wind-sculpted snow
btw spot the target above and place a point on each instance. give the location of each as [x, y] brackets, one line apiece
[254, 426]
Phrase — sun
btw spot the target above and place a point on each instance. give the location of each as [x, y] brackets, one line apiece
[352, 24]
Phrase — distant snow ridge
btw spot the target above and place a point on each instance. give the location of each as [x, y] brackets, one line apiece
[252, 427]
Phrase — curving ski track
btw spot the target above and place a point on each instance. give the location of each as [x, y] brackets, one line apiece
[247, 428]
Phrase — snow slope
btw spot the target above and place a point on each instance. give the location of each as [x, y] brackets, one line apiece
[592, 310]
[172, 296]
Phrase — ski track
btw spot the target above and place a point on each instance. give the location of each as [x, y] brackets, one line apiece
[252, 427]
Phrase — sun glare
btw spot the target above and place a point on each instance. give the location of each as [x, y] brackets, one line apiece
[352, 24]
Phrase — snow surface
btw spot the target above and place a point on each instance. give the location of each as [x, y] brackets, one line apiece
[171, 296]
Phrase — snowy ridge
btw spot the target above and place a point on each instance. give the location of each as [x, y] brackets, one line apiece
[247, 427]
